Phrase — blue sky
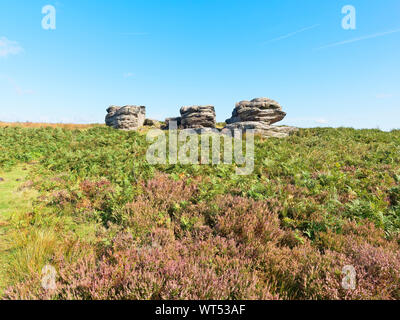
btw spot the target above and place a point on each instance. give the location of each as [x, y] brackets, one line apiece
[168, 53]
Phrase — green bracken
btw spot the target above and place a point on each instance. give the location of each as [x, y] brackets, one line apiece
[316, 180]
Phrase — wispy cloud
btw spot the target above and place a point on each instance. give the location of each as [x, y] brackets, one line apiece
[321, 121]
[8, 47]
[134, 34]
[383, 95]
[128, 74]
[371, 36]
[291, 34]
[308, 120]
[18, 89]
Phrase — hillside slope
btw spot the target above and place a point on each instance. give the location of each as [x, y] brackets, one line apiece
[116, 227]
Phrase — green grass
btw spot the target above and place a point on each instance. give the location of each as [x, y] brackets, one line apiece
[316, 181]
[15, 201]
[30, 233]
[12, 198]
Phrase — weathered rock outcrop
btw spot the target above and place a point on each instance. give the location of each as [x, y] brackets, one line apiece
[126, 118]
[194, 117]
[259, 110]
[198, 117]
[259, 114]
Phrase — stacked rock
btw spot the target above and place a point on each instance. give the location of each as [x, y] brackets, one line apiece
[194, 117]
[259, 110]
[259, 114]
[197, 117]
[126, 118]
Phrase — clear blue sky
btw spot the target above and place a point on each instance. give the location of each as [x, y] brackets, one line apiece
[168, 53]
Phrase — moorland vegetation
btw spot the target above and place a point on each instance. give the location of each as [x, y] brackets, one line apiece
[85, 201]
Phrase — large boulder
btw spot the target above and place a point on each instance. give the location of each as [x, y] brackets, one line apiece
[259, 109]
[195, 117]
[126, 118]
[258, 114]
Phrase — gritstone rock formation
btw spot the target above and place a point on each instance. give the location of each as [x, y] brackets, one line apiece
[198, 117]
[194, 117]
[259, 114]
[259, 110]
[126, 118]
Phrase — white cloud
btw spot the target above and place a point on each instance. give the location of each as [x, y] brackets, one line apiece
[18, 90]
[128, 74]
[321, 121]
[371, 36]
[8, 47]
[134, 34]
[307, 121]
[291, 34]
[383, 96]
[22, 92]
